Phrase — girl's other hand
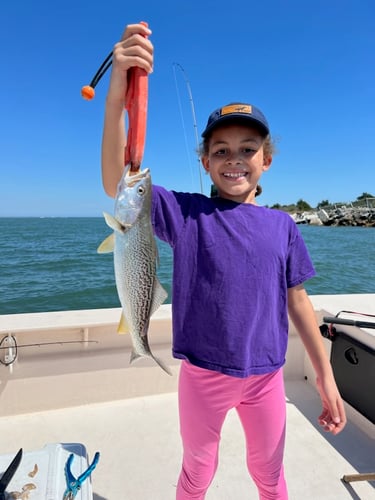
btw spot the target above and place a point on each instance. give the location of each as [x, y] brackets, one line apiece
[332, 418]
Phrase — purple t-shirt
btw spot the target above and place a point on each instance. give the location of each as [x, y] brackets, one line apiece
[232, 266]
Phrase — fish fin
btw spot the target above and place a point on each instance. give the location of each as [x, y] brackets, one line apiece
[107, 245]
[159, 296]
[134, 356]
[112, 222]
[116, 225]
[123, 326]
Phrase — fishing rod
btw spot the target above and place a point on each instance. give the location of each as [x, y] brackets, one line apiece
[14, 346]
[351, 322]
[177, 65]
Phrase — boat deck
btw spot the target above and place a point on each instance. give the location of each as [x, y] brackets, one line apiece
[141, 451]
[87, 393]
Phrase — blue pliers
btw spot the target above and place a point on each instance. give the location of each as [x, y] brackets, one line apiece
[75, 484]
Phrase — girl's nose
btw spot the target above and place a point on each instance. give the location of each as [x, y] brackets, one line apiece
[234, 157]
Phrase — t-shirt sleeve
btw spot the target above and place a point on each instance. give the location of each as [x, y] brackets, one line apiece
[299, 265]
[167, 214]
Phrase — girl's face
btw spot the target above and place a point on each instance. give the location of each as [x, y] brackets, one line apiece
[235, 162]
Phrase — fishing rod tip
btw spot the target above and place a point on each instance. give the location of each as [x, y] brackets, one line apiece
[87, 92]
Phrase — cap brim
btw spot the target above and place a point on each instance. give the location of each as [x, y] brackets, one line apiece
[246, 120]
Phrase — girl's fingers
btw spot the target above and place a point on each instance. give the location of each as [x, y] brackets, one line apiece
[136, 41]
[136, 51]
[133, 29]
[333, 419]
[340, 417]
[124, 62]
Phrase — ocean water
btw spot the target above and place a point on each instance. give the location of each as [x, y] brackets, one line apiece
[51, 264]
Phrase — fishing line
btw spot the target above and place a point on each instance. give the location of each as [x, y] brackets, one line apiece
[16, 346]
[39, 344]
[354, 312]
[183, 123]
[194, 118]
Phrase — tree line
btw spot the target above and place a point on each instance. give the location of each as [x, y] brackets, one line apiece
[365, 199]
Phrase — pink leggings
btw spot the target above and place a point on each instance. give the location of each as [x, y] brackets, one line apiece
[205, 397]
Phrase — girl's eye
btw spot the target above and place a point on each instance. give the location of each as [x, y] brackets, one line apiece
[245, 151]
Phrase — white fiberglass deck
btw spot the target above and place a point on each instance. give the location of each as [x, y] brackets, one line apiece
[140, 449]
[90, 395]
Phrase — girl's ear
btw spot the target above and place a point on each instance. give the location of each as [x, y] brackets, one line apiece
[267, 162]
[205, 163]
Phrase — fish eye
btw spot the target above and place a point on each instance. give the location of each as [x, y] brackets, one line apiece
[141, 190]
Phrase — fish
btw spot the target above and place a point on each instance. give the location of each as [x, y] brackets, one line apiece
[135, 261]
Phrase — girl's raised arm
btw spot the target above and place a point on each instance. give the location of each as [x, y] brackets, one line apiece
[133, 50]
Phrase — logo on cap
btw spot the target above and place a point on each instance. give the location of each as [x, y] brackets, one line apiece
[236, 108]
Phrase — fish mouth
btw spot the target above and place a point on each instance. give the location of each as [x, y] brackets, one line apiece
[131, 180]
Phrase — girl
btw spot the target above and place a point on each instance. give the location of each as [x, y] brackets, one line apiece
[238, 270]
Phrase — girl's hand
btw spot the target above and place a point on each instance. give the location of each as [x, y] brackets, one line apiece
[332, 418]
[134, 49]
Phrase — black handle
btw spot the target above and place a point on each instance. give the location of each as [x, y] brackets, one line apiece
[349, 322]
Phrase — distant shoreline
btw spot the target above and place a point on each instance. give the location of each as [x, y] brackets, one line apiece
[341, 216]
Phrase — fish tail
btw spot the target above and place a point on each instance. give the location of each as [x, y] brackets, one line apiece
[134, 356]
[162, 365]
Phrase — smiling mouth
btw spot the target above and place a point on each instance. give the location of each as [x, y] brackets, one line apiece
[234, 175]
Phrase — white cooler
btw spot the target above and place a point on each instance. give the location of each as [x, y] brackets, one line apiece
[49, 481]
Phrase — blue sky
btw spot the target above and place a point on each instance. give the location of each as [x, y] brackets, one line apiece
[309, 65]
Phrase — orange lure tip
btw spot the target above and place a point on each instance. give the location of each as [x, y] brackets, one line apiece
[88, 92]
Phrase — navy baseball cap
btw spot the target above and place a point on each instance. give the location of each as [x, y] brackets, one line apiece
[236, 112]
